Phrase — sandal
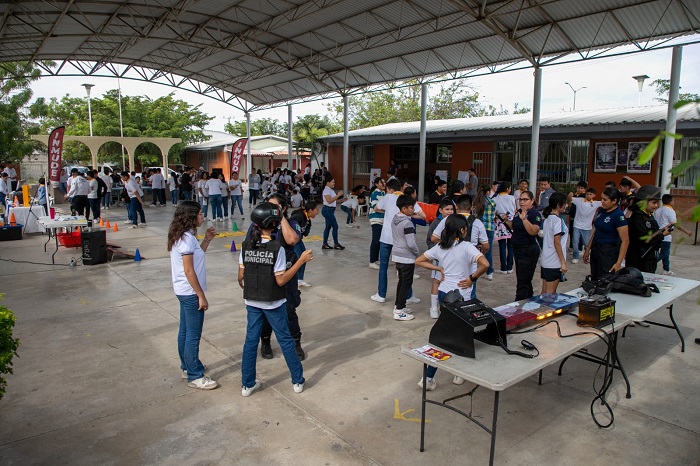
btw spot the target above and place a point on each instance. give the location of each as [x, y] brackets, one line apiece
[339, 246]
[325, 246]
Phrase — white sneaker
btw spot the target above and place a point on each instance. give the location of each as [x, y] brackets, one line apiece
[416, 276]
[374, 265]
[668, 272]
[134, 226]
[349, 225]
[144, 224]
[457, 380]
[303, 283]
[413, 300]
[488, 276]
[247, 391]
[434, 313]
[298, 387]
[128, 221]
[509, 271]
[574, 261]
[377, 298]
[403, 316]
[203, 383]
[502, 271]
[431, 384]
[405, 309]
[225, 218]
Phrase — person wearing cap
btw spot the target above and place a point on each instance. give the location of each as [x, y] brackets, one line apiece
[645, 236]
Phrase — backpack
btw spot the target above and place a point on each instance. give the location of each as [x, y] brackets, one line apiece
[631, 281]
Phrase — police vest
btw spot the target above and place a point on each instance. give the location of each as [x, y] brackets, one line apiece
[259, 272]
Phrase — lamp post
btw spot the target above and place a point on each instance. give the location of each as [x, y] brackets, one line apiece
[575, 91]
[121, 125]
[640, 82]
[87, 89]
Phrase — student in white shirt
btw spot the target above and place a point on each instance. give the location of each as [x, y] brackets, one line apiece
[135, 194]
[212, 188]
[4, 188]
[350, 208]
[189, 278]
[586, 209]
[554, 241]
[297, 200]
[460, 264]
[236, 187]
[329, 202]
[172, 186]
[157, 182]
[93, 200]
[225, 194]
[106, 199]
[203, 193]
[665, 217]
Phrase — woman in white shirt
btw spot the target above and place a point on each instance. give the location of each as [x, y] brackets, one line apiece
[505, 208]
[556, 235]
[329, 201]
[189, 278]
[225, 194]
[203, 193]
[93, 200]
[236, 188]
[213, 189]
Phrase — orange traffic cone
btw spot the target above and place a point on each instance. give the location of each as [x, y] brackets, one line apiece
[16, 202]
[78, 229]
[102, 222]
[116, 228]
[107, 224]
[13, 220]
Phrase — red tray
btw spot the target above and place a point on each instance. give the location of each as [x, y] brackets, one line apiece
[69, 240]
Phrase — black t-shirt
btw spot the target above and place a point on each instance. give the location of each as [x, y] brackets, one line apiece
[186, 182]
[435, 197]
[520, 235]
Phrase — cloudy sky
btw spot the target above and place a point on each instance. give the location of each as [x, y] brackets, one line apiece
[605, 83]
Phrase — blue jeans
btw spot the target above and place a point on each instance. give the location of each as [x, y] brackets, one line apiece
[3, 197]
[191, 322]
[215, 201]
[489, 255]
[224, 205]
[278, 321]
[136, 209]
[665, 255]
[204, 202]
[173, 196]
[579, 234]
[331, 223]
[348, 211]
[105, 200]
[505, 249]
[236, 199]
[299, 249]
[187, 195]
[384, 257]
[253, 196]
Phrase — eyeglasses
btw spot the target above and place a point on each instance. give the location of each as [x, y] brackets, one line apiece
[523, 199]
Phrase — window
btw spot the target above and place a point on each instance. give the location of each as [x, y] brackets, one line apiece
[443, 154]
[362, 160]
[563, 161]
[688, 148]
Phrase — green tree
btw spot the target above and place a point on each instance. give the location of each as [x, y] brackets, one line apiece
[308, 128]
[258, 127]
[663, 87]
[15, 94]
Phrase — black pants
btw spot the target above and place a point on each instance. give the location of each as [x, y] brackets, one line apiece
[292, 319]
[525, 265]
[603, 257]
[79, 204]
[403, 287]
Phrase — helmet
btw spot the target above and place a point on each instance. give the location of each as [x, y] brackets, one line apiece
[648, 193]
[266, 214]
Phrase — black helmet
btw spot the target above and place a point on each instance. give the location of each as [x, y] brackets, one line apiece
[266, 215]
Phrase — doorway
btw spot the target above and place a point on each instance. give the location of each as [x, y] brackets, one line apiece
[504, 166]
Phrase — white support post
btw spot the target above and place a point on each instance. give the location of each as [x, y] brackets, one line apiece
[535, 141]
[346, 145]
[289, 134]
[421, 150]
[249, 157]
[671, 115]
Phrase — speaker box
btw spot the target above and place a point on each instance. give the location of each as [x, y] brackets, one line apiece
[94, 245]
[463, 322]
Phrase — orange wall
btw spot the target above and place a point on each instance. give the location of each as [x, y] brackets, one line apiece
[463, 155]
[598, 180]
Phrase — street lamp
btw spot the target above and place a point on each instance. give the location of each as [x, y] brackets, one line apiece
[575, 91]
[87, 89]
[640, 81]
[121, 125]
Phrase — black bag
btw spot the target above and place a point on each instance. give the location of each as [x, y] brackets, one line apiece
[601, 287]
[631, 281]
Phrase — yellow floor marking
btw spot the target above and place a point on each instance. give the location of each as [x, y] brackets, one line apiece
[401, 416]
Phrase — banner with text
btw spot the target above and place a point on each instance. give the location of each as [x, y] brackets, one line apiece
[56, 155]
[237, 154]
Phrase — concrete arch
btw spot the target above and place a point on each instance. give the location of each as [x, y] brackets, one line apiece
[130, 144]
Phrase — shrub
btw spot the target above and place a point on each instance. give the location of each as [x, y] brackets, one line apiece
[8, 345]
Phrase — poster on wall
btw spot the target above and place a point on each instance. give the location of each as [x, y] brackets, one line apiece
[374, 174]
[634, 150]
[622, 157]
[605, 157]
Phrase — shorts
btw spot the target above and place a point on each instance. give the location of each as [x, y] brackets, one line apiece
[550, 275]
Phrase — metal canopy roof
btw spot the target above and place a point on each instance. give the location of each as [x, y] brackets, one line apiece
[259, 53]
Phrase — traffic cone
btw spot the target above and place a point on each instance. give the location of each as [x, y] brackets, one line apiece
[13, 220]
[235, 227]
[107, 224]
[116, 228]
[137, 256]
[78, 229]
[102, 222]
[16, 203]
[233, 246]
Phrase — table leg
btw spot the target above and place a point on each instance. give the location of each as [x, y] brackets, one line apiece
[55, 234]
[493, 428]
[616, 360]
[539, 382]
[674, 326]
[422, 409]
[561, 365]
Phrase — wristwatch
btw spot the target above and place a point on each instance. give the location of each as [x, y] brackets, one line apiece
[471, 277]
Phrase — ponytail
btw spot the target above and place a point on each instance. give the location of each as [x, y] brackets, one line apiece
[556, 200]
[255, 236]
[454, 224]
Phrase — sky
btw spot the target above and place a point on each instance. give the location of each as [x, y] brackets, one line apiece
[601, 84]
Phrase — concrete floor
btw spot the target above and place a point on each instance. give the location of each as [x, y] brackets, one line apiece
[97, 380]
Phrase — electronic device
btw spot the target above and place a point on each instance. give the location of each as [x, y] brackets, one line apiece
[535, 309]
[596, 311]
[462, 322]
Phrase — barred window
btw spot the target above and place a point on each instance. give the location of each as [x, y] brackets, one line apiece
[689, 147]
[362, 160]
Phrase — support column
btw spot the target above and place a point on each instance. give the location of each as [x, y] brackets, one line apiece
[421, 150]
[289, 135]
[671, 115]
[535, 141]
[249, 157]
[346, 145]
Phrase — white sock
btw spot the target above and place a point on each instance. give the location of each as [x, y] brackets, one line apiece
[433, 301]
